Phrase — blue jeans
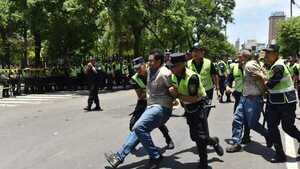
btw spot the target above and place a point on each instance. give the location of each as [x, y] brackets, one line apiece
[153, 117]
[247, 113]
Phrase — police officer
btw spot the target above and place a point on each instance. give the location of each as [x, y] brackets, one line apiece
[206, 69]
[282, 101]
[91, 73]
[187, 87]
[139, 81]
[234, 85]
[222, 71]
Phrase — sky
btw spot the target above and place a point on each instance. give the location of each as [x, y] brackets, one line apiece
[251, 18]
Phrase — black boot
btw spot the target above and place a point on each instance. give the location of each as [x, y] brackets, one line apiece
[280, 156]
[154, 163]
[218, 148]
[87, 108]
[97, 108]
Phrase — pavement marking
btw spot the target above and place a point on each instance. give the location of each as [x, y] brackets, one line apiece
[34, 99]
[291, 152]
[8, 105]
[17, 102]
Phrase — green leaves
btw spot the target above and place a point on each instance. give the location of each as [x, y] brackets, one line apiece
[289, 37]
[74, 29]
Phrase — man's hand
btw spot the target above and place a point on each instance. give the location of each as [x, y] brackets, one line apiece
[219, 93]
[229, 89]
[258, 75]
[173, 91]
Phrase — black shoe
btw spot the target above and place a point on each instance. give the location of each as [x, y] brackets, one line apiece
[278, 158]
[170, 145]
[219, 150]
[154, 163]
[233, 148]
[113, 159]
[246, 140]
[299, 150]
[87, 109]
[97, 109]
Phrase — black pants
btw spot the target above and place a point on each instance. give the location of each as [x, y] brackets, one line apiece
[222, 85]
[284, 113]
[93, 95]
[199, 133]
[137, 113]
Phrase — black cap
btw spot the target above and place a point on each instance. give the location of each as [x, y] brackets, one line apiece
[137, 62]
[197, 46]
[176, 58]
[272, 48]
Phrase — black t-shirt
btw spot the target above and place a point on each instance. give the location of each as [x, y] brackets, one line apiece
[278, 71]
[198, 66]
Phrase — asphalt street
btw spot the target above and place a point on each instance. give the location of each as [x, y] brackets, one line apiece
[51, 131]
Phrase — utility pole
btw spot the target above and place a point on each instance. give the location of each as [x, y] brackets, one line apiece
[291, 7]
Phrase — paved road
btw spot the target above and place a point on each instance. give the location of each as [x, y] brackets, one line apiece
[52, 132]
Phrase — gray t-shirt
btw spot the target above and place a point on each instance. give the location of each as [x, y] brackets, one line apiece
[158, 88]
[252, 87]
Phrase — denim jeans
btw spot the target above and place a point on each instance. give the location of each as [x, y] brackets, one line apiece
[247, 113]
[153, 117]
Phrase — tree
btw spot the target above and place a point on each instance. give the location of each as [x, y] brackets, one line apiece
[289, 37]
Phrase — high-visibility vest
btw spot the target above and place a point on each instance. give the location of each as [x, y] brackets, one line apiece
[238, 78]
[138, 81]
[182, 85]
[286, 84]
[205, 75]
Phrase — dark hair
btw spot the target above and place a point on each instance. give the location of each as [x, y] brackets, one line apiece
[158, 55]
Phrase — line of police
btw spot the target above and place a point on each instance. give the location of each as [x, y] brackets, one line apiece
[193, 83]
[39, 80]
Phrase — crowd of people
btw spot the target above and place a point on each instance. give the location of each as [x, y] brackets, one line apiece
[113, 73]
[255, 82]
[260, 84]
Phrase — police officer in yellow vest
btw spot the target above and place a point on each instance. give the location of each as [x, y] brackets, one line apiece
[206, 69]
[139, 81]
[188, 88]
[234, 85]
[282, 101]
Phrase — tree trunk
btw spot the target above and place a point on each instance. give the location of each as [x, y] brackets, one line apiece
[37, 48]
[137, 42]
[25, 44]
[6, 46]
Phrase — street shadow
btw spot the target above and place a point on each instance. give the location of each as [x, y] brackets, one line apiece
[265, 152]
[259, 149]
[168, 162]
[171, 161]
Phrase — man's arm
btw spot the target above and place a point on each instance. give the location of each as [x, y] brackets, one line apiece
[193, 87]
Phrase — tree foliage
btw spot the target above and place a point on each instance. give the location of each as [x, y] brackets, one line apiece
[48, 31]
[289, 37]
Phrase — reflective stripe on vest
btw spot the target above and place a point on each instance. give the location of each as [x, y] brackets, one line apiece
[286, 83]
[138, 81]
[182, 86]
[238, 78]
[205, 75]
